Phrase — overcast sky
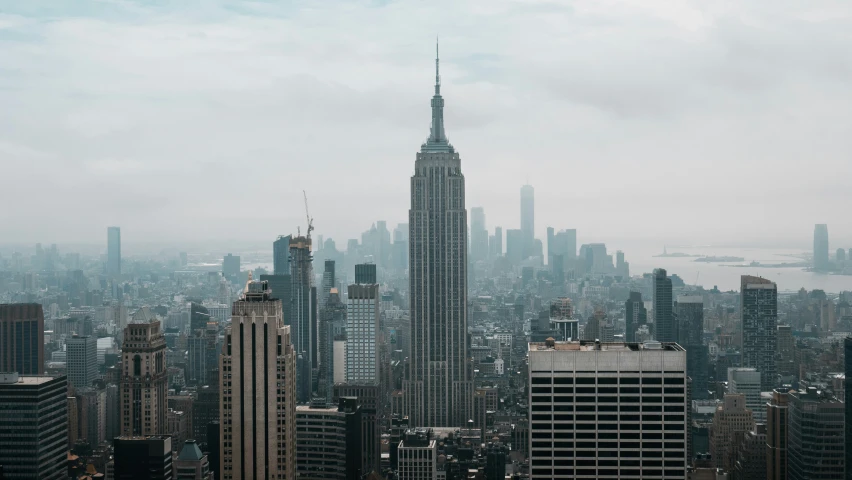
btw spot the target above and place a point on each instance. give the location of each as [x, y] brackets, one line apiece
[204, 120]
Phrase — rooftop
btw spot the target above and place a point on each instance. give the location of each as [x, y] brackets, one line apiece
[590, 346]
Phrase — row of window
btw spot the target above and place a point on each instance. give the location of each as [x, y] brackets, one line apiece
[608, 380]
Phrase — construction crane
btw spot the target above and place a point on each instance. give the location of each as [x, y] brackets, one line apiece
[308, 215]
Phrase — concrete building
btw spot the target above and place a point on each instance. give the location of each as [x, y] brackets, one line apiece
[750, 462]
[815, 442]
[607, 410]
[328, 442]
[143, 458]
[776, 436]
[439, 389]
[417, 456]
[759, 322]
[81, 360]
[362, 331]
[731, 422]
[821, 262]
[34, 425]
[258, 390]
[635, 315]
[22, 338]
[664, 325]
[144, 381]
[191, 463]
[332, 327]
[747, 382]
[113, 252]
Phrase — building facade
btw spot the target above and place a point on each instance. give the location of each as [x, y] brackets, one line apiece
[81, 360]
[417, 456]
[144, 381]
[439, 389]
[635, 315]
[776, 436]
[607, 410]
[258, 390]
[22, 338]
[759, 322]
[362, 331]
[303, 311]
[143, 458]
[664, 325]
[815, 442]
[34, 426]
[114, 252]
[821, 262]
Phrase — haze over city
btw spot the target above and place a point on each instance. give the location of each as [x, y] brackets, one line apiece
[694, 123]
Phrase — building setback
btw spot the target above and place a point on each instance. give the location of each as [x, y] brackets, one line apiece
[258, 390]
[607, 410]
[439, 389]
[34, 426]
[22, 338]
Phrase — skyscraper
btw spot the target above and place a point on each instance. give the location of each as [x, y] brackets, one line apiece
[759, 317]
[332, 327]
[496, 243]
[664, 325]
[635, 315]
[34, 426]
[303, 303]
[815, 444]
[588, 419]
[439, 388]
[231, 266]
[528, 218]
[82, 360]
[362, 330]
[257, 404]
[821, 247]
[776, 436]
[281, 256]
[847, 351]
[478, 234]
[22, 338]
[515, 245]
[113, 252]
[328, 282]
[144, 381]
[690, 335]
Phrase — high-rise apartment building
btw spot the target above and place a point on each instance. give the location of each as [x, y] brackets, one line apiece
[81, 360]
[664, 325]
[815, 442]
[635, 315]
[821, 262]
[369, 399]
[690, 335]
[281, 256]
[607, 410]
[33, 427]
[303, 311]
[22, 338]
[113, 252]
[528, 218]
[478, 234]
[439, 389]
[143, 458]
[258, 390]
[759, 318]
[144, 381]
[362, 331]
[776, 436]
[731, 421]
[231, 266]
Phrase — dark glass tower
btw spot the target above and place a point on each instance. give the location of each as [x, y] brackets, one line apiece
[664, 327]
[759, 318]
[22, 338]
[690, 333]
[439, 389]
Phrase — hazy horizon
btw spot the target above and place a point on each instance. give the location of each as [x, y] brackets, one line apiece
[724, 123]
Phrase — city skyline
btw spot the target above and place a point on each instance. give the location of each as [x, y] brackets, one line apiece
[664, 103]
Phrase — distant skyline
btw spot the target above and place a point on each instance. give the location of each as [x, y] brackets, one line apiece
[721, 123]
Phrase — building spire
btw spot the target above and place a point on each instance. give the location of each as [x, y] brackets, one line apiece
[437, 69]
[437, 141]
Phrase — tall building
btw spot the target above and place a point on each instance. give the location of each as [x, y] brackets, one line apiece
[34, 426]
[785, 347]
[258, 390]
[776, 436]
[22, 338]
[231, 266]
[417, 455]
[368, 398]
[365, 273]
[328, 442]
[113, 252]
[847, 351]
[635, 315]
[81, 360]
[281, 256]
[362, 331]
[515, 245]
[588, 419]
[690, 335]
[478, 234]
[821, 262]
[759, 318]
[664, 324]
[562, 243]
[815, 442]
[332, 327]
[144, 381]
[439, 388]
[731, 422]
[495, 245]
[528, 218]
[303, 314]
[143, 458]
[747, 382]
[328, 282]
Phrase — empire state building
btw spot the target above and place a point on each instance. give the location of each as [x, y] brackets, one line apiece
[439, 389]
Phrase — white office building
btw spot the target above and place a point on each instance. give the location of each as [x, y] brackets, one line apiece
[362, 328]
[747, 382]
[607, 410]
